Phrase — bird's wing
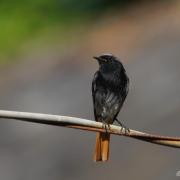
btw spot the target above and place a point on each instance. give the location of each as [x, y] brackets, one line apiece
[127, 87]
[106, 105]
[112, 105]
[94, 93]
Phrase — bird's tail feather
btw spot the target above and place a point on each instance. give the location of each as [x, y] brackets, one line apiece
[102, 147]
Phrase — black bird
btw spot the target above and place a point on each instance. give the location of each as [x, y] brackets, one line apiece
[109, 90]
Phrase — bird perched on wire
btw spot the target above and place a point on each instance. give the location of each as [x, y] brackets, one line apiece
[109, 90]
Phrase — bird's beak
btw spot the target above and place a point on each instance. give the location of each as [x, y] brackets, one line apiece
[97, 58]
[100, 60]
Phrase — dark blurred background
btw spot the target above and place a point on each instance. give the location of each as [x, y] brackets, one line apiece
[46, 66]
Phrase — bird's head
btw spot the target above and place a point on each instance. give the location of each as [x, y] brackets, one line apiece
[109, 63]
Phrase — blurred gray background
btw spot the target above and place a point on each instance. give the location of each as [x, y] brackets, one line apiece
[47, 67]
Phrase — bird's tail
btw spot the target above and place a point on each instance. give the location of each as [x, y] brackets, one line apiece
[102, 147]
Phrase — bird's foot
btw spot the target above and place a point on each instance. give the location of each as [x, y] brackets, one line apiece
[106, 126]
[126, 129]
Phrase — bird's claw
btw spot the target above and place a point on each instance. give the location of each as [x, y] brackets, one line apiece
[106, 126]
[126, 129]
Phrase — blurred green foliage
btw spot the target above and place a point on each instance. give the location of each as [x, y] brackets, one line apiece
[21, 20]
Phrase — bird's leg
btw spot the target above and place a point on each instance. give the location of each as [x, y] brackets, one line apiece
[106, 126]
[127, 130]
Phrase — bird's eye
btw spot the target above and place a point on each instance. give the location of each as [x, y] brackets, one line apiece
[105, 60]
